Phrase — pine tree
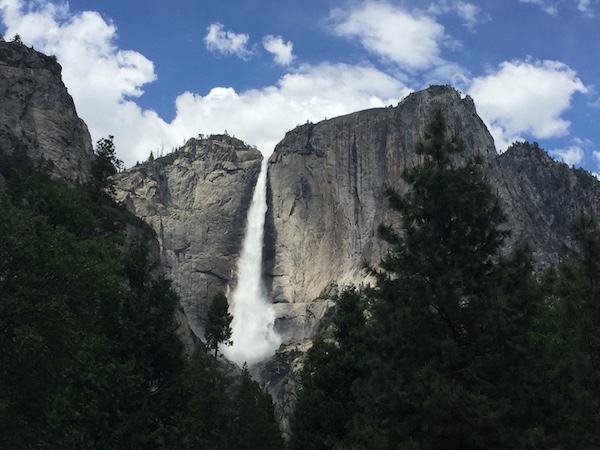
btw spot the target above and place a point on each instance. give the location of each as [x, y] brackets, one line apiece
[89, 356]
[450, 318]
[574, 290]
[254, 426]
[105, 162]
[218, 324]
[326, 402]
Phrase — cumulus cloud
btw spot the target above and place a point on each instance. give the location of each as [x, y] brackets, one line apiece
[408, 39]
[312, 93]
[227, 43]
[281, 50]
[105, 80]
[570, 156]
[547, 6]
[526, 97]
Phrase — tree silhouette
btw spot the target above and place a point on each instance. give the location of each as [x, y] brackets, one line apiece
[218, 324]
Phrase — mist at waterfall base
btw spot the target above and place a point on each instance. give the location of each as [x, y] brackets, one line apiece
[253, 335]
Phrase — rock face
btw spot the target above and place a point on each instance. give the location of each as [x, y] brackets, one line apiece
[196, 199]
[546, 196]
[281, 375]
[326, 196]
[326, 199]
[38, 114]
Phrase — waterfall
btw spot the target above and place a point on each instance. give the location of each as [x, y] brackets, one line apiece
[253, 317]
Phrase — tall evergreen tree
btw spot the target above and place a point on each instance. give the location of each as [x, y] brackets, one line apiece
[89, 357]
[450, 350]
[326, 403]
[574, 290]
[254, 426]
[218, 323]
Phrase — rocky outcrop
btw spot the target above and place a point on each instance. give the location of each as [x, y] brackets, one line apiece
[281, 376]
[196, 199]
[38, 115]
[544, 198]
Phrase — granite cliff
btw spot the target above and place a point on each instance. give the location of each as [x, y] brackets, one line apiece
[327, 182]
[326, 197]
[38, 114]
[196, 199]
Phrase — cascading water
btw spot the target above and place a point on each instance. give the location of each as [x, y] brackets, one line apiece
[253, 317]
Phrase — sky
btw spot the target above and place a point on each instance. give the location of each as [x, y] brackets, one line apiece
[156, 73]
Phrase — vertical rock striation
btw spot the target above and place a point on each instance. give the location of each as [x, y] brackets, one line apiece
[326, 196]
[326, 184]
[545, 197]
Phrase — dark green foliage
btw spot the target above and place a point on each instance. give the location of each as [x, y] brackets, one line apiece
[218, 323]
[451, 319]
[326, 404]
[105, 161]
[89, 357]
[254, 425]
[573, 318]
[87, 332]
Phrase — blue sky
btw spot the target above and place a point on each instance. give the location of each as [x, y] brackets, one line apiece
[155, 73]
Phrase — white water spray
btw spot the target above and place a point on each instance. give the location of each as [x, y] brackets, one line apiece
[253, 317]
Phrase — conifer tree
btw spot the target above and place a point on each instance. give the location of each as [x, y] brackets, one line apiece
[218, 324]
[451, 355]
[575, 302]
[326, 403]
[254, 426]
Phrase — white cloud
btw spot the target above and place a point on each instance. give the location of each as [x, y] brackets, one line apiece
[312, 93]
[227, 43]
[409, 40]
[551, 8]
[585, 7]
[597, 158]
[526, 97]
[449, 73]
[102, 79]
[547, 7]
[468, 12]
[281, 50]
[574, 153]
